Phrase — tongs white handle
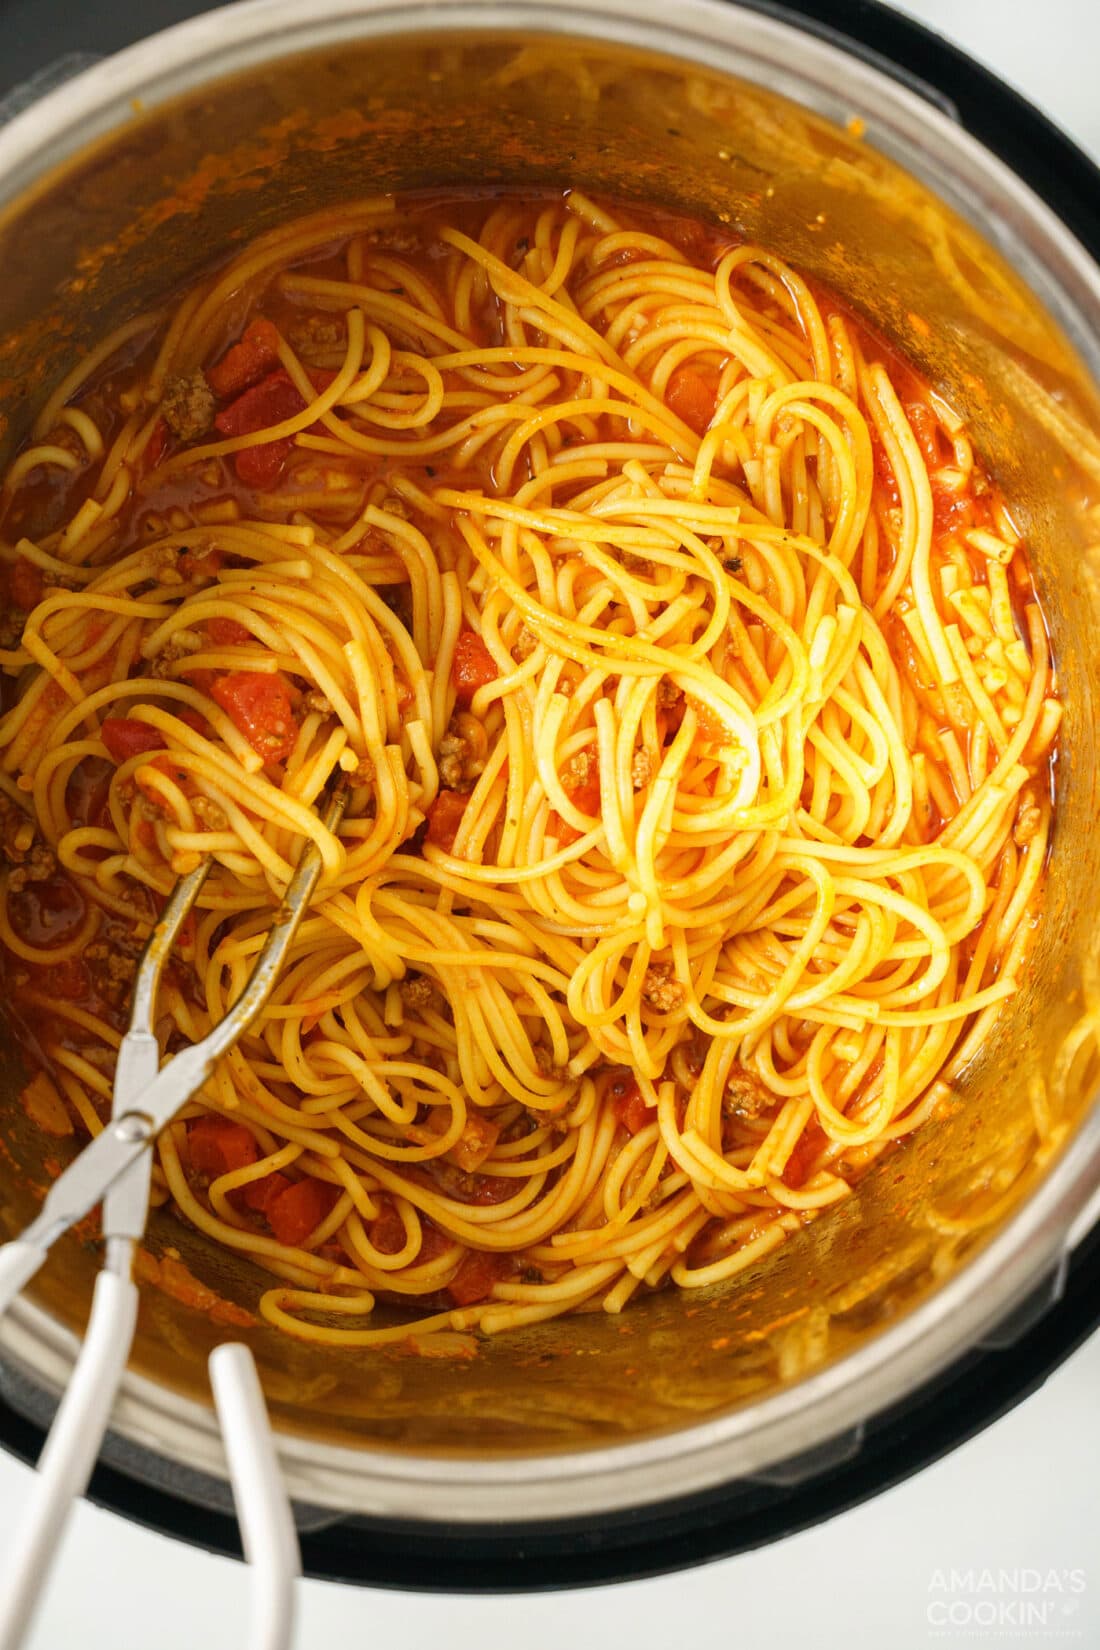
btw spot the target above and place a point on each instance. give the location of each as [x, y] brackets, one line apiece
[268, 1535]
[70, 1451]
[19, 1261]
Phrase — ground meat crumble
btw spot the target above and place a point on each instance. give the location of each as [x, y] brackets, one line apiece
[188, 405]
[661, 989]
[746, 1095]
[460, 766]
[416, 991]
[641, 769]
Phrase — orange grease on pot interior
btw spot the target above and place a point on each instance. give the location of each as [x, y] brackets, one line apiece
[175, 1280]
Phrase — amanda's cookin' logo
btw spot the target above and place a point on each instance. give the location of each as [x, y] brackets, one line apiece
[1006, 1603]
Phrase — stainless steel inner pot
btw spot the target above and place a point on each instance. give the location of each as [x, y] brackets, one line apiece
[129, 181]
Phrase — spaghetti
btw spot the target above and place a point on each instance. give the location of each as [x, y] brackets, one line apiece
[696, 713]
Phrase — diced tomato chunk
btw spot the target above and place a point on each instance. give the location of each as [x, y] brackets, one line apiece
[628, 1104]
[472, 666]
[299, 1209]
[692, 397]
[476, 1275]
[444, 818]
[809, 1146]
[269, 402]
[260, 707]
[227, 632]
[387, 1229]
[475, 1143]
[25, 583]
[266, 404]
[433, 1243]
[194, 720]
[259, 1193]
[217, 1146]
[125, 736]
[246, 361]
[261, 467]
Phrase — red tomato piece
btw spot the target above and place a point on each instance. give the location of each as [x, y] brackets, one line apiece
[472, 666]
[217, 1146]
[433, 1243]
[193, 720]
[808, 1147]
[299, 1209]
[125, 736]
[269, 402]
[227, 632]
[387, 1229]
[627, 1103]
[444, 818]
[261, 467]
[692, 397]
[259, 1193]
[246, 361]
[260, 707]
[25, 584]
[266, 404]
[476, 1275]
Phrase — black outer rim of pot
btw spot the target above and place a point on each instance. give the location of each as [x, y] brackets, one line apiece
[959, 1403]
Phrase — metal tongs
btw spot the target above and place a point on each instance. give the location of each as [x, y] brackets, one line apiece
[117, 1168]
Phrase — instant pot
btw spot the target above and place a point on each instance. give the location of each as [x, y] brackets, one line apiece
[962, 225]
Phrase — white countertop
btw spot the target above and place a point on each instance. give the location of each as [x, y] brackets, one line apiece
[1023, 1498]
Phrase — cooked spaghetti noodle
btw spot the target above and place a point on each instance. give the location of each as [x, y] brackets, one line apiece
[696, 713]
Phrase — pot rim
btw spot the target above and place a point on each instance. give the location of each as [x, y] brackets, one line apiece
[733, 37]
